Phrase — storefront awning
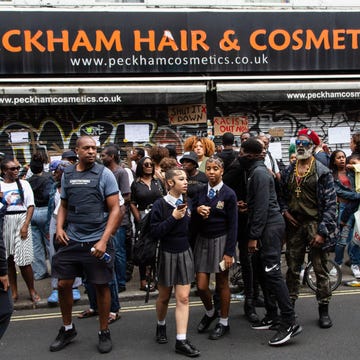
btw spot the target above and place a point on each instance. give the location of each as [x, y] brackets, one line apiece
[288, 91]
[96, 94]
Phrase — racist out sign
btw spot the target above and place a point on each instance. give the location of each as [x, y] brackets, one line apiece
[134, 42]
[234, 124]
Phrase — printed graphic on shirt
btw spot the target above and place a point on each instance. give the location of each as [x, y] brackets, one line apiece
[12, 197]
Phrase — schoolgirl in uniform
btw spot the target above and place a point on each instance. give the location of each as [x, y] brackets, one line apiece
[170, 221]
[215, 217]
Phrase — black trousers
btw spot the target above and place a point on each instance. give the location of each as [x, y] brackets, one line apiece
[271, 276]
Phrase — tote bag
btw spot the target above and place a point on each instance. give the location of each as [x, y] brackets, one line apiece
[356, 236]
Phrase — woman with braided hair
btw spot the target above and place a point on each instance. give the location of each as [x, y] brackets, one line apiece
[19, 198]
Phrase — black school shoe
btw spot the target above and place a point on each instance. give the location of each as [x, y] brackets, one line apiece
[184, 347]
[205, 322]
[219, 331]
[63, 338]
[161, 337]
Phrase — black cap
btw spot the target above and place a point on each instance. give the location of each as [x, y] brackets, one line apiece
[69, 155]
[190, 155]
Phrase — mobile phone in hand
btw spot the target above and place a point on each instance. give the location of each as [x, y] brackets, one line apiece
[180, 207]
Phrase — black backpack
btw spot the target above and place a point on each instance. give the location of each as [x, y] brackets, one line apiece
[146, 249]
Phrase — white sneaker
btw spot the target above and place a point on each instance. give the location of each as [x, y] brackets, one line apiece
[333, 271]
[356, 271]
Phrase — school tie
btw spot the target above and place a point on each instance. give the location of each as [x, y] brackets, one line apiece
[211, 194]
[178, 202]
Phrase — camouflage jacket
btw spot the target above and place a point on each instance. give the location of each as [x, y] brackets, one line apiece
[326, 200]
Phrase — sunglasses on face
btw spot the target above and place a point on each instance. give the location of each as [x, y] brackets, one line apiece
[148, 165]
[14, 168]
[304, 143]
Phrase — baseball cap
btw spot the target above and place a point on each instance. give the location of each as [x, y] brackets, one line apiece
[54, 164]
[69, 154]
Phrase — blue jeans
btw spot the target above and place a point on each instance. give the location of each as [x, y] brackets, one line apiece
[91, 293]
[354, 253]
[119, 241]
[40, 228]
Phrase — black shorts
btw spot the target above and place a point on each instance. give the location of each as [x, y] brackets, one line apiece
[75, 259]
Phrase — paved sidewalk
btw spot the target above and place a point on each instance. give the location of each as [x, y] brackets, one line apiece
[132, 291]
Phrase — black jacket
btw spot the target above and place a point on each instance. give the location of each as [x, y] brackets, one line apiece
[263, 208]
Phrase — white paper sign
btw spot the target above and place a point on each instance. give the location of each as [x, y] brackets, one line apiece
[275, 149]
[19, 137]
[137, 132]
[339, 135]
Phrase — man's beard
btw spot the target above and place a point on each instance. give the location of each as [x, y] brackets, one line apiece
[306, 155]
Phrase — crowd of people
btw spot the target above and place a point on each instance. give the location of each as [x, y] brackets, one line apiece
[208, 206]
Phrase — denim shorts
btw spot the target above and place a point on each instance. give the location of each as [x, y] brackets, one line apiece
[75, 259]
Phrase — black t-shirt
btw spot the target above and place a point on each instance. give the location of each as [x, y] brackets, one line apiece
[196, 183]
[41, 186]
[143, 196]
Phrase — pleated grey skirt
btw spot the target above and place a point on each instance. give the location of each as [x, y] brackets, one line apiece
[176, 268]
[208, 253]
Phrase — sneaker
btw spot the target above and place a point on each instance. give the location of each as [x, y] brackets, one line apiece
[356, 271]
[267, 323]
[105, 344]
[54, 297]
[333, 271]
[285, 333]
[76, 294]
[64, 338]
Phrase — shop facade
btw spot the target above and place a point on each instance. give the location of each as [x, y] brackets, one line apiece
[137, 77]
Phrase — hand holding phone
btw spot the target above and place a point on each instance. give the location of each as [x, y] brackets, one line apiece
[222, 264]
[180, 206]
[179, 212]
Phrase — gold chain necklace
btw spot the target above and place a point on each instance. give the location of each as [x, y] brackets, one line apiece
[299, 178]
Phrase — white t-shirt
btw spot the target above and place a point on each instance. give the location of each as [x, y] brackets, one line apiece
[268, 164]
[11, 196]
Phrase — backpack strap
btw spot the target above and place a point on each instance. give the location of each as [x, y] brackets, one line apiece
[154, 273]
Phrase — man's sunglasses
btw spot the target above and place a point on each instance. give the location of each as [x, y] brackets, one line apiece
[148, 165]
[14, 168]
[304, 143]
